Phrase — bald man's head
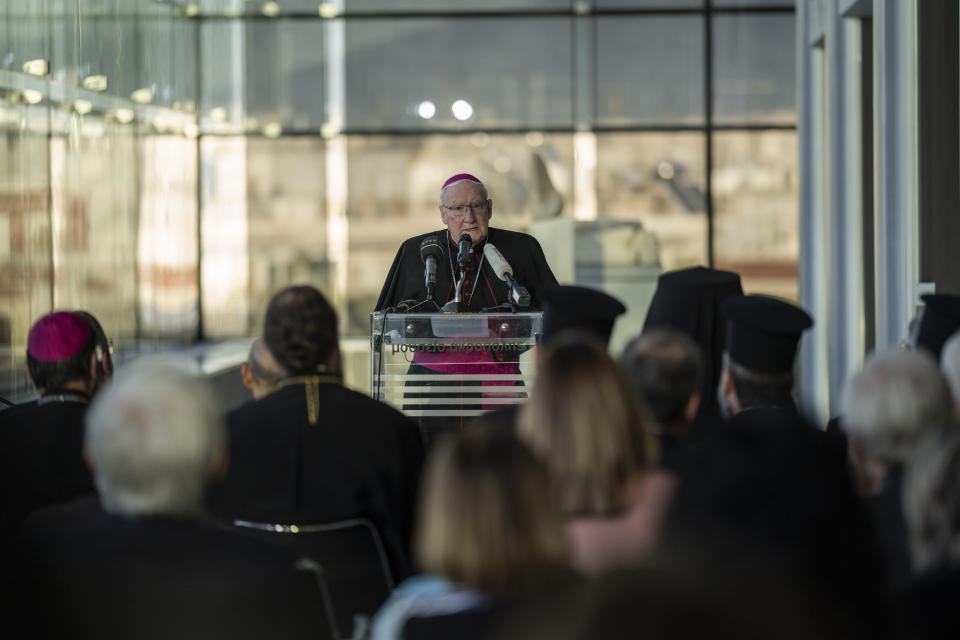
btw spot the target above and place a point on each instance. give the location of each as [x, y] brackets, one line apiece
[262, 374]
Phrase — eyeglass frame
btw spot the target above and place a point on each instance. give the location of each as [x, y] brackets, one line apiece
[460, 210]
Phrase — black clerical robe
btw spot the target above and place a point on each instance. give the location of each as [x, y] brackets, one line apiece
[483, 289]
[361, 459]
[41, 456]
[90, 574]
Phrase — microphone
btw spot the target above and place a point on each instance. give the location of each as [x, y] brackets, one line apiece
[500, 266]
[463, 253]
[431, 252]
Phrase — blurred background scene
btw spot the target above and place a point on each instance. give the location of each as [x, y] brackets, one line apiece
[169, 165]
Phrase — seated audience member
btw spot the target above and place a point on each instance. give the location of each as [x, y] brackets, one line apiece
[689, 300]
[487, 536]
[672, 602]
[584, 422]
[931, 501]
[950, 365]
[314, 451]
[887, 408]
[666, 369]
[764, 495]
[262, 374]
[41, 461]
[142, 563]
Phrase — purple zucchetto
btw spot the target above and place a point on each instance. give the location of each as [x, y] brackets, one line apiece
[458, 178]
[57, 336]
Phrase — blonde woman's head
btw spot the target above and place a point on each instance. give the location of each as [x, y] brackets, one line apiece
[486, 519]
[584, 421]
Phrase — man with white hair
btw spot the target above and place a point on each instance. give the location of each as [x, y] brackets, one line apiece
[950, 365]
[898, 397]
[143, 563]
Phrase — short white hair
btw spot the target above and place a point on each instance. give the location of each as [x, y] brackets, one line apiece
[894, 400]
[931, 500]
[483, 189]
[950, 365]
[150, 434]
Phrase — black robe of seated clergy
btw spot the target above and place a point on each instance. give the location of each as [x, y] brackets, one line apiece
[91, 574]
[361, 459]
[483, 289]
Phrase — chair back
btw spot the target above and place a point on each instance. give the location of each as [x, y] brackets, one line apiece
[353, 562]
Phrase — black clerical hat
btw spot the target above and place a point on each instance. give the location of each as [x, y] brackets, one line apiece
[689, 299]
[763, 332]
[939, 321]
[568, 307]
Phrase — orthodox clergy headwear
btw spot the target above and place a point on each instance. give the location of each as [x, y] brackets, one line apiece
[763, 332]
[940, 319]
[569, 307]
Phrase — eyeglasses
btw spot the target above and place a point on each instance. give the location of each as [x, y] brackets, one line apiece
[461, 209]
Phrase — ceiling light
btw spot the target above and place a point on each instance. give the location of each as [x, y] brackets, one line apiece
[95, 83]
[462, 110]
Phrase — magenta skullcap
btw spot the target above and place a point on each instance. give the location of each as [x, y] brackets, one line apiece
[458, 178]
[57, 336]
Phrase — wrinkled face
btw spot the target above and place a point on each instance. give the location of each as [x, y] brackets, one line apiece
[463, 209]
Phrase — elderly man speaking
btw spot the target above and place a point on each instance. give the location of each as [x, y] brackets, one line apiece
[459, 269]
[465, 210]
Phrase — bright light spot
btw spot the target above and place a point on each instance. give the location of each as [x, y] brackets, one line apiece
[95, 83]
[192, 10]
[535, 139]
[329, 130]
[124, 116]
[217, 114]
[272, 129]
[462, 110]
[270, 9]
[503, 164]
[191, 130]
[143, 96]
[38, 67]
[32, 96]
[426, 109]
[82, 107]
[665, 171]
[328, 10]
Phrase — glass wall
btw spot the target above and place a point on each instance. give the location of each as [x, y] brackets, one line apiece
[171, 165]
[98, 174]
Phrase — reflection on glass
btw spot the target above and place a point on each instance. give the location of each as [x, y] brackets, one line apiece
[167, 239]
[285, 85]
[650, 70]
[286, 218]
[754, 67]
[755, 209]
[223, 272]
[94, 215]
[658, 179]
[512, 72]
